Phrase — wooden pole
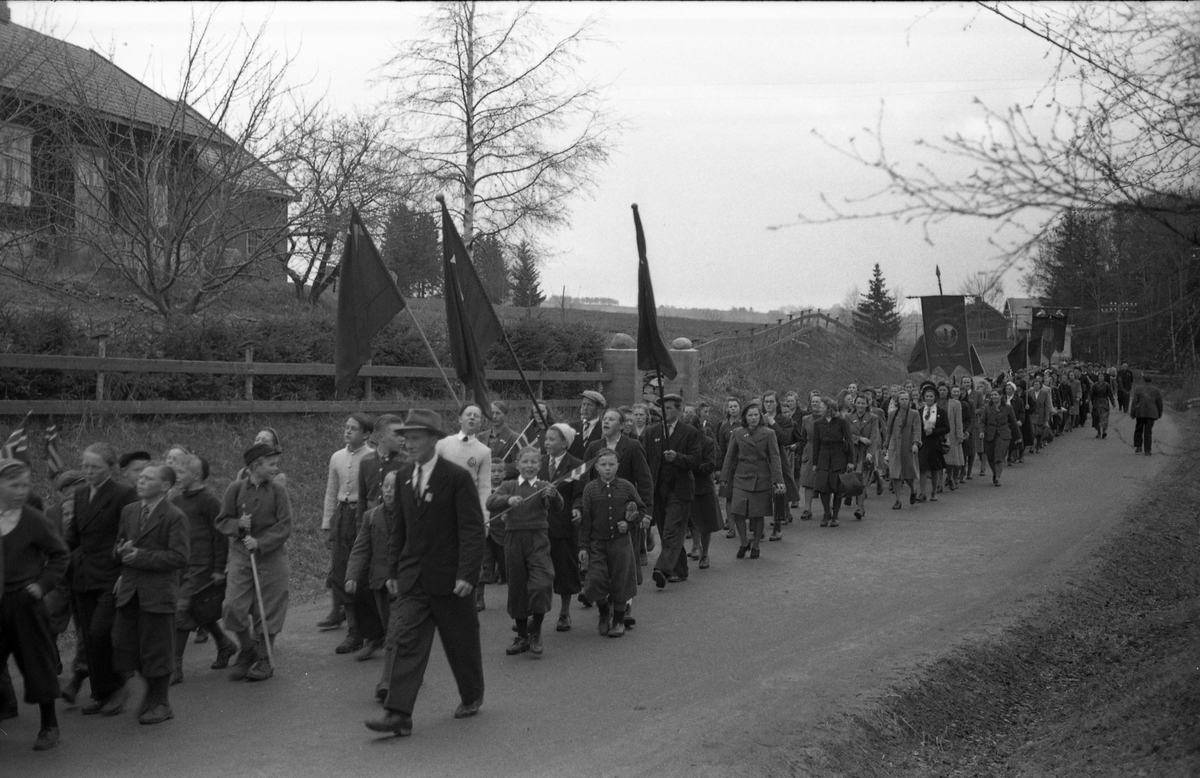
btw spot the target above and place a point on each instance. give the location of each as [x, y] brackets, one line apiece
[436, 361]
[525, 381]
[249, 376]
[102, 352]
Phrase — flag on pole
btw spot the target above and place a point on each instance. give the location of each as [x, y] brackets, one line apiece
[1019, 354]
[1053, 330]
[652, 353]
[367, 300]
[976, 362]
[17, 445]
[54, 460]
[472, 325]
[918, 360]
[945, 329]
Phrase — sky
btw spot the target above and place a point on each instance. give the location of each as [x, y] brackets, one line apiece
[724, 103]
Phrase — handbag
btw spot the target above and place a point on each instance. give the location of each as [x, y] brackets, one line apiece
[852, 483]
[206, 603]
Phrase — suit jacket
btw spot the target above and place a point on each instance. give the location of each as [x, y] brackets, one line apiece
[93, 534]
[752, 461]
[1040, 403]
[708, 465]
[941, 427]
[581, 444]
[562, 523]
[162, 552]
[673, 479]
[371, 471]
[1146, 402]
[1000, 422]
[631, 465]
[368, 558]
[438, 540]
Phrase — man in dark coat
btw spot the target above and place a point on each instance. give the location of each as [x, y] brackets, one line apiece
[434, 557]
[587, 429]
[1146, 407]
[673, 453]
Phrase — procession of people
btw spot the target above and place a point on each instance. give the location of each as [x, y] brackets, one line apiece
[139, 553]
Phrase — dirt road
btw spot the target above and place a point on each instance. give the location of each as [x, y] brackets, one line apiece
[720, 673]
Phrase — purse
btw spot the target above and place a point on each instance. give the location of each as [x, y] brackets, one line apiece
[852, 483]
[206, 602]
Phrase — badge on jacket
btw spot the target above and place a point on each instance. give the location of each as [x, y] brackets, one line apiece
[428, 496]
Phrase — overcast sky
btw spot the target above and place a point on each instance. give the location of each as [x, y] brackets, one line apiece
[721, 100]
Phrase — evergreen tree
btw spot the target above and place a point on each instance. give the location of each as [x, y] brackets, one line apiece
[526, 280]
[876, 315]
[411, 249]
[488, 255]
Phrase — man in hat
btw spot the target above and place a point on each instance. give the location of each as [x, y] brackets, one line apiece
[587, 429]
[435, 552]
[673, 451]
[131, 464]
[256, 515]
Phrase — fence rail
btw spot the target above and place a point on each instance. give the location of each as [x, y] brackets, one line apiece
[740, 347]
[104, 365]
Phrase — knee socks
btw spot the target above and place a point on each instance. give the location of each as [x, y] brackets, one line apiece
[536, 620]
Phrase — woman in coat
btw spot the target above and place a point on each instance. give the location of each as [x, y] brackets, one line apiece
[1016, 401]
[753, 470]
[864, 431]
[999, 428]
[785, 436]
[903, 433]
[804, 446]
[955, 462]
[832, 452]
[931, 459]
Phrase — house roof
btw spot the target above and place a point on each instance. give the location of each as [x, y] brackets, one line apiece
[44, 69]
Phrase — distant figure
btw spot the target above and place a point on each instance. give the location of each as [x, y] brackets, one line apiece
[1146, 407]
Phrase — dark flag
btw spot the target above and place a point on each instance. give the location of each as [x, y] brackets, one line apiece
[1053, 329]
[367, 301]
[652, 353]
[54, 460]
[945, 323]
[1018, 355]
[471, 322]
[976, 362]
[17, 445]
[918, 361]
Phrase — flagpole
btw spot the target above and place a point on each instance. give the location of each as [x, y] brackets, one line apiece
[537, 409]
[662, 392]
[436, 361]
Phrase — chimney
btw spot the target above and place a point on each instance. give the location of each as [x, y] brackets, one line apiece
[5, 12]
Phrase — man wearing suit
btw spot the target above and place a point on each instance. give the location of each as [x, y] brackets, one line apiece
[673, 452]
[153, 548]
[587, 429]
[1146, 406]
[434, 557]
[1040, 407]
[91, 538]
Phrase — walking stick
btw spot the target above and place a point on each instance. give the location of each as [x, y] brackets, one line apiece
[262, 612]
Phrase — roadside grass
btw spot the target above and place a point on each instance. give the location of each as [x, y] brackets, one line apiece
[1103, 679]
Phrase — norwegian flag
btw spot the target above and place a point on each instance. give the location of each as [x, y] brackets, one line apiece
[577, 473]
[17, 445]
[54, 460]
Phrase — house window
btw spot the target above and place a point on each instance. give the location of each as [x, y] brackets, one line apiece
[91, 190]
[15, 156]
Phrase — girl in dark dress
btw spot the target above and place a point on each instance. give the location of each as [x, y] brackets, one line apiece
[32, 561]
[832, 447]
[934, 428]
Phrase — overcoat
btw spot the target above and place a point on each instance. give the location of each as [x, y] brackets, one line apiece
[162, 552]
[957, 434]
[832, 452]
[903, 429]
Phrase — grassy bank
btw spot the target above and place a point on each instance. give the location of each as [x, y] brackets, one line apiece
[1101, 680]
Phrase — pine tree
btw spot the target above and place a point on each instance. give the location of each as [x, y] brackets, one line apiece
[876, 315]
[411, 250]
[526, 280]
[488, 255]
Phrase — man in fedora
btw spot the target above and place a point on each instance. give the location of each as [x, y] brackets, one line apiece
[587, 429]
[673, 452]
[434, 557]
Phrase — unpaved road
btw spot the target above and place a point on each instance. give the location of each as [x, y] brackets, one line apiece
[732, 673]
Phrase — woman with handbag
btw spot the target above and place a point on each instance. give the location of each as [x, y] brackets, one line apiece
[832, 450]
[903, 441]
[752, 474]
[864, 431]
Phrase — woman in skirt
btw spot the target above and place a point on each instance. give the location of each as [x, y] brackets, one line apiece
[831, 453]
[864, 431]
[704, 517]
[804, 446]
[930, 457]
[903, 433]
[785, 433]
[32, 562]
[955, 461]
[753, 470]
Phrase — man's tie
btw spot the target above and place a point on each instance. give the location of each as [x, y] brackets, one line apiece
[144, 519]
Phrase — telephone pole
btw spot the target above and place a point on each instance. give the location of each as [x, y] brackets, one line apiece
[1118, 308]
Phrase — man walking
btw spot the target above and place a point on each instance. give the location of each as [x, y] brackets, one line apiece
[1146, 407]
[340, 519]
[587, 429]
[434, 556]
[673, 452]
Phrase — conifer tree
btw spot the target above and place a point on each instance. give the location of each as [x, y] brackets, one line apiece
[526, 280]
[876, 315]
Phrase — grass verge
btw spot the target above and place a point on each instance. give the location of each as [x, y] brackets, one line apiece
[1103, 679]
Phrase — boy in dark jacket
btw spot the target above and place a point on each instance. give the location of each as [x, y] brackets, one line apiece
[368, 563]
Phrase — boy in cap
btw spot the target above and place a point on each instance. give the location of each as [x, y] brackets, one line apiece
[256, 515]
[527, 549]
[587, 429]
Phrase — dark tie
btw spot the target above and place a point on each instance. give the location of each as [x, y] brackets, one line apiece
[145, 518]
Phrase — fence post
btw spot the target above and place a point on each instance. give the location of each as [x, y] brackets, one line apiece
[102, 352]
[249, 352]
[369, 387]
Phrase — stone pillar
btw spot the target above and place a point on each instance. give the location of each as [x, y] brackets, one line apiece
[630, 385]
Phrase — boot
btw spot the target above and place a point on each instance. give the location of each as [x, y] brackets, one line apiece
[334, 619]
[353, 641]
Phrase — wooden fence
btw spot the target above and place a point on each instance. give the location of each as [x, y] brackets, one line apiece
[104, 365]
[738, 347]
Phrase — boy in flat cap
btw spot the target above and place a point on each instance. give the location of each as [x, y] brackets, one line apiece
[587, 429]
[256, 515]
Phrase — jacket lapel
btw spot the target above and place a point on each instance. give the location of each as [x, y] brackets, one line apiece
[153, 520]
[431, 489]
[93, 505]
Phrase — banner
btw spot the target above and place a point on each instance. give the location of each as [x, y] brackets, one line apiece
[652, 353]
[945, 331]
[1050, 326]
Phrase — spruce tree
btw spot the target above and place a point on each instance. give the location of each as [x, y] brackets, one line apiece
[876, 315]
[526, 280]
[487, 254]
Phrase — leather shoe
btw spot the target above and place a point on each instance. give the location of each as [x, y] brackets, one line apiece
[245, 660]
[201, 636]
[535, 643]
[605, 625]
[394, 722]
[564, 623]
[660, 579]
[704, 563]
[115, 702]
[332, 621]
[468, 709]
[519, 646]
[46, 739]
[369, 650]
[351, 644]
[176, 677]
[91, 707]
[156, 715]
[261, 671]
[617, 629]
[224, 654]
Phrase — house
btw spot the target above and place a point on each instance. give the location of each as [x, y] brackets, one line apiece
[986, 323]
[95, 164]
[1019, 313]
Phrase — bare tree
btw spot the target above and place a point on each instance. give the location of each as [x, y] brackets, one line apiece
[985, 286]
[494, 107]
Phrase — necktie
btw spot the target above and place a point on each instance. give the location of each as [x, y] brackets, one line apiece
[417, 485]
[145, 517]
